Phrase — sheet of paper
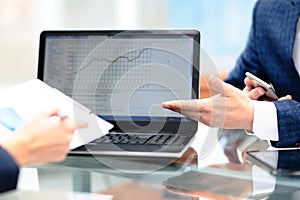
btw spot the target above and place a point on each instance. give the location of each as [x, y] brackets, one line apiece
[31, 97]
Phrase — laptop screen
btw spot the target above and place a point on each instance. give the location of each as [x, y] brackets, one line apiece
[123, 76]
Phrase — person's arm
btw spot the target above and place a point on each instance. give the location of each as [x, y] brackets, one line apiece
[231, 108]
[9, 171]
[264, 111]
[288, 115]
[281, 122]
[45, 138]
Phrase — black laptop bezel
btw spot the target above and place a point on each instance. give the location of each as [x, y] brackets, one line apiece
[184, 126]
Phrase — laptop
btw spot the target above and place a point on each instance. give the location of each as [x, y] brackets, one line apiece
[123, 76]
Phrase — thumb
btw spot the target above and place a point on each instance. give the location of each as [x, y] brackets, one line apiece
[287, 97]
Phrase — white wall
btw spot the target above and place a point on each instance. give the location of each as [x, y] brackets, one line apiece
[17, 51]
[21, 21]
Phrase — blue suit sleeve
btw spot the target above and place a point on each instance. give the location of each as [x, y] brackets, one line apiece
[9, 171]
[288, 117]
[265, 56]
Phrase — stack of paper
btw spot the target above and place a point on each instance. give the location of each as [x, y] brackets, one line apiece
[22, 102]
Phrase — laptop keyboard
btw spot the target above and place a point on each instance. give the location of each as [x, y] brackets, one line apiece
[140, 139]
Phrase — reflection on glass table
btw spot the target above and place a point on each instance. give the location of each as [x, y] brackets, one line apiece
[233, 181]
[190, 177]
[122, 177]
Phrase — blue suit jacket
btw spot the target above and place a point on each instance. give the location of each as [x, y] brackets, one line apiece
[9, 171]
[268, 55]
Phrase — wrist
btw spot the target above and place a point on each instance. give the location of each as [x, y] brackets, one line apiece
[249, 121]
[17, 147]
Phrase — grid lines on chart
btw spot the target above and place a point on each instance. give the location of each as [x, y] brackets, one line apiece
[125, 66]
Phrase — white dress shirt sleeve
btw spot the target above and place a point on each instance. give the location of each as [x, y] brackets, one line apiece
[265, 124]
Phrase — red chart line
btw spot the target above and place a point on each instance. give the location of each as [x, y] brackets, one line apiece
[114, 60]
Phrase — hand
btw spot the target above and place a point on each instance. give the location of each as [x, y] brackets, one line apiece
[258, 93]
[231, 108]
[46, 138]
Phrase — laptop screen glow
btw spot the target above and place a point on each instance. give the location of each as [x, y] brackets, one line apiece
[122, 77]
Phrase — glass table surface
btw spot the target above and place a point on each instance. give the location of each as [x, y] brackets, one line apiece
[214, 167]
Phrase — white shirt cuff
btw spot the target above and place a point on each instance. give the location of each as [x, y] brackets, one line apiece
[265, 124]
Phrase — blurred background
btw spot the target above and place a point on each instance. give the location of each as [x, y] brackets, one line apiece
[224, 26]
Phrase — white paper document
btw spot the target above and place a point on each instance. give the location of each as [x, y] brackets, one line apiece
[22, 102]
